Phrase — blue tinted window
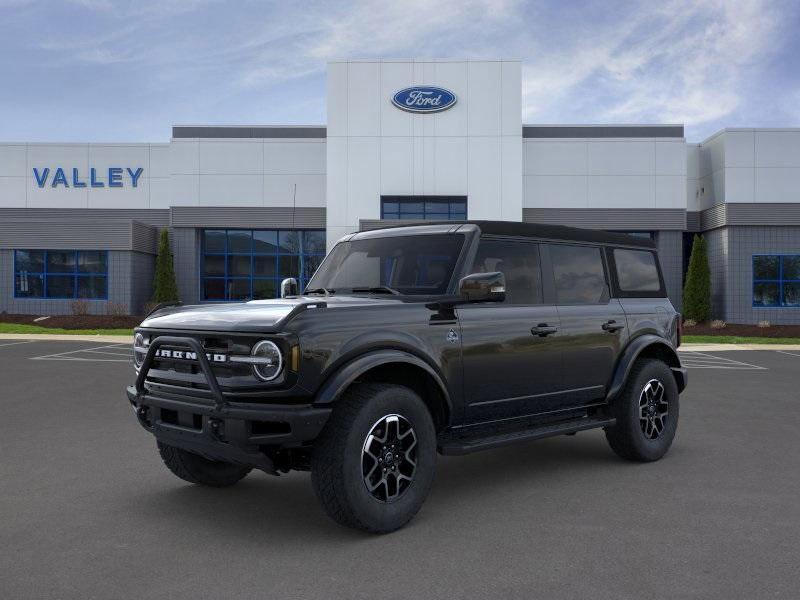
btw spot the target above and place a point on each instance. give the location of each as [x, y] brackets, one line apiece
[776, 280]
[424, 208]
[66, 274]
[245, 264]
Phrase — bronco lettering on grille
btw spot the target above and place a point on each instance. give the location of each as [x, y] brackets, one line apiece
[188, 355]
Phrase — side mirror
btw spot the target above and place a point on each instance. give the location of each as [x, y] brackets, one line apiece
[483, 287]
[288, 287]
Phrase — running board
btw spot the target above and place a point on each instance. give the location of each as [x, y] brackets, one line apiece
[451, 444]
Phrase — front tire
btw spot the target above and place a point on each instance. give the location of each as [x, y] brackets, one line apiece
[647, 413]
[373, 464]
[196, 469]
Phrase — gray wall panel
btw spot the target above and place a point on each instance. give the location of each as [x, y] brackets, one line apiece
[713, 217]
[142, 272]
[609, 218]
[144, 238]
[231, 132]
[778, 214]
[693, 222]
[186, 253]
[762, 213]
[602, 131]
[717, 250]
[67, 234]
[158, 217]
[670, 255]
[256, 217]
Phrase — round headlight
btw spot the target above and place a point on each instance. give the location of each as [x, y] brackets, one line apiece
[268, 360]
[140, 344]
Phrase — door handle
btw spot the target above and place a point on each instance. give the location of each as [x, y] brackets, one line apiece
[612, 326]
[543, 330]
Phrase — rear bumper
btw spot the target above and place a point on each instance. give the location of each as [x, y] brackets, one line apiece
[681, 377]
[233, 432]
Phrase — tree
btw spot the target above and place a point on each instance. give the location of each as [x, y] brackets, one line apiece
[165, 288]
[697, 290]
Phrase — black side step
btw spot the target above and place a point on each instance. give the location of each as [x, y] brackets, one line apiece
[458, 444]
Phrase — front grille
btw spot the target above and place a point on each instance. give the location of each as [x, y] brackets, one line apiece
[184, 375]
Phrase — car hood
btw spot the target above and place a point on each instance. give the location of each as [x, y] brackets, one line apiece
[256, 315]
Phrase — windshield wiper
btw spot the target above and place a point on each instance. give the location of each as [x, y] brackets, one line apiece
[378, 289]
[320, 290]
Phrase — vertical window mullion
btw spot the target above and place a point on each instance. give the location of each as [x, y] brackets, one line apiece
[225, 272]
[300, 261]
[278, 276]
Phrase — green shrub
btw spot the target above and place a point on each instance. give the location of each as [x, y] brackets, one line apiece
[165, 287]
[697, 290]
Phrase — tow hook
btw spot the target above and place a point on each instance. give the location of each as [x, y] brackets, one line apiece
[216, 428]
[143, 414]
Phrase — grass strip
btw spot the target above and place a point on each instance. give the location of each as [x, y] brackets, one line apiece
[34, 329]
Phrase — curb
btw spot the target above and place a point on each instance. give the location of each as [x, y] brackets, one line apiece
[732, 347]
[54, 337]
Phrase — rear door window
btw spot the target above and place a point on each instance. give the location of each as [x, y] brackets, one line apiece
[579, 274]
[636, 271]
[518, 262]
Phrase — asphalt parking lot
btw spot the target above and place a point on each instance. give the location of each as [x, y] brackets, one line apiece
[87, 510]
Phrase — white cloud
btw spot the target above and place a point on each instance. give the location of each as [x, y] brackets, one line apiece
[370, 28]
[680, 62]
[411, 28]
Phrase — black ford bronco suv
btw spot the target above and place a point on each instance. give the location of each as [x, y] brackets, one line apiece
[448, 337]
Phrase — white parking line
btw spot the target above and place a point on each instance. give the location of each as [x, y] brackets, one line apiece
[102, 350]
[69, 358]
[16, 343]
[702, 360]
[787, 353]
[129, 353]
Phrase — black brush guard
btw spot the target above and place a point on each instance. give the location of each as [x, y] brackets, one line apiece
[226, 432]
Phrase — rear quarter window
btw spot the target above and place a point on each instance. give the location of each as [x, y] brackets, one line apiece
[637, 272]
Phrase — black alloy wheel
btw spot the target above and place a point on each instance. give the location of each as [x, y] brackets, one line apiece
[653, 409]
[389, 458]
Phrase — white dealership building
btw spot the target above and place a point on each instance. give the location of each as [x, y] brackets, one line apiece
[249, 205]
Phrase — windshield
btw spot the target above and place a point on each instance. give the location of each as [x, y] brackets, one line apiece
[413, 264]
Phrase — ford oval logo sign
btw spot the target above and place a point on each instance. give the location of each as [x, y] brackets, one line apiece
[424, 99]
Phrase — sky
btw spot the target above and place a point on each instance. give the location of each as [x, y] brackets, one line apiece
[126, 71]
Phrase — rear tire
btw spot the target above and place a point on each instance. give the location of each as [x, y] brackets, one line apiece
[373, 464]
[647, 413]
[196, 469]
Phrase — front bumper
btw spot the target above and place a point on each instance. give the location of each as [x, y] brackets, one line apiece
[233, 432]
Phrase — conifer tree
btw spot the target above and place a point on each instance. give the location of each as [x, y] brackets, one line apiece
[165, 287]
[697, 290]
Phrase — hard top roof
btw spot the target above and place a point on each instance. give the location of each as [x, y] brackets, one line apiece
[561, 232]
[516, 229]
